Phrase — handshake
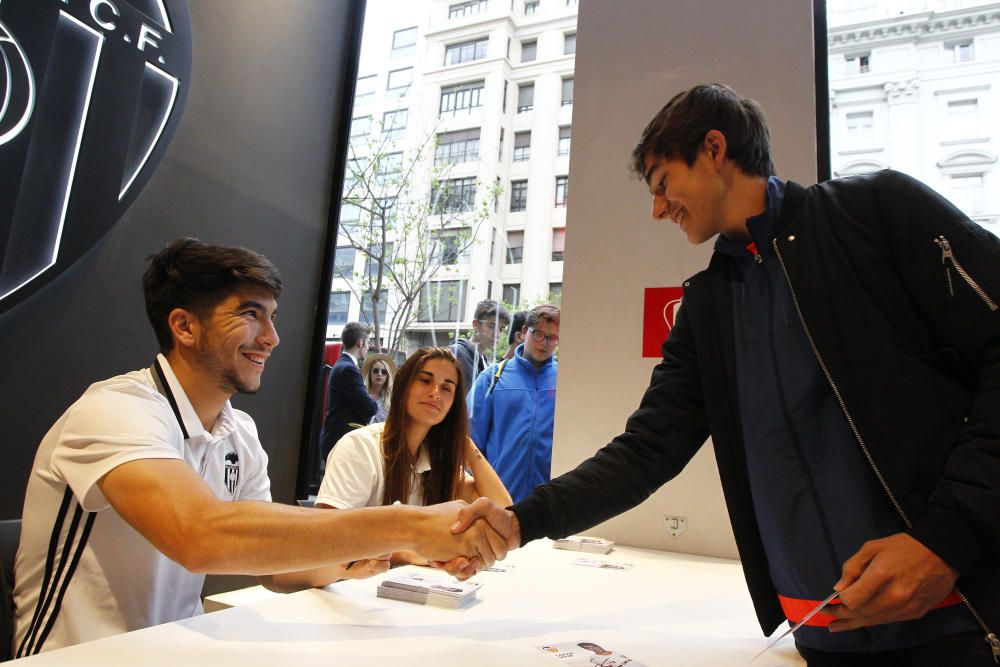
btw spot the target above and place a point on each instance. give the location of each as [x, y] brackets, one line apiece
[463, 539]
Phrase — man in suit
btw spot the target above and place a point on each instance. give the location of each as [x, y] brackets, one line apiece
[348, 403]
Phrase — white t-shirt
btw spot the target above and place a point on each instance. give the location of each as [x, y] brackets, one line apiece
[355, 471]
[104, 577]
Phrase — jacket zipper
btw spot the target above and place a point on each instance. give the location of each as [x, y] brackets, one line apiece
[947, 255]
[991, 637]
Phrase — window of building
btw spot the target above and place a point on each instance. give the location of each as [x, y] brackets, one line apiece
[525, 97]
[394, 124]
[389, 164]
[450, 246]
[343, 262]
[496, 196]
[558, 243]
[522, 146]
[385, 207]
[398, 82]
[569, 43]
[567, 92]
[512, 294]
[555, 294]
[529, 51]
[858, 63]
[515, 247]
[860, 128]
[465, 51]
[461, 97]
[564, 140]
[364, 91]
[355, 171]
[404, 42]
[967, 193]
[349, 214]
[503, 107]
[455, 195]
[562, 190]
[530, 7]
[442, 301]
[466, 8]
[374, 256]
[339, 304]
[367, 314]
[361, 127]
[960, 52]
[518, 196]
[572, 3]
[493, 246]
[963, 118]
[500, 151]
[457, 147]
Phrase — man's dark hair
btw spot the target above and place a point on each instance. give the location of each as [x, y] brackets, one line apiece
[546, 312]
[491, 308]
[352, 333]
[516, 324]
[679, 129]
[196, 276]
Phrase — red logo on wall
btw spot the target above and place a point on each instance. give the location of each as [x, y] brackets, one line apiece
[659, 310]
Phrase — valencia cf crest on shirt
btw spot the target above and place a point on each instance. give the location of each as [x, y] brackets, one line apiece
[232, 472]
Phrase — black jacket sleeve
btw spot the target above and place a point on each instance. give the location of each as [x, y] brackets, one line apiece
[660, 438]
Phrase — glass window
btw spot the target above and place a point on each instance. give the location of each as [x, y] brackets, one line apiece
[367, 315]
[512, 294]
[465, 51]
[385, 206]
[569, 43]
[454, 195]
[398, 82]
[343, 262]
[361, 127]
[500, 151]
[525, 97]
[355, 172]
[374, 256]
[963, 118]
[404, 42]
[364, 91]
[442, 301]
[562, 189]
[388, 164]
[394, 123]
[960, 52]
[858, 63]
[450, 246]
[558, 243]
[564, 139]
[518, 196]
[530, 7]
[966, 192]
[462, 97]
[466, 8]
[503, 107]
[522, 146]
[567, 92]
[859, 128]
[555, 294]
[515, 247]
[456, 147]
[339, 303]
[529, 51]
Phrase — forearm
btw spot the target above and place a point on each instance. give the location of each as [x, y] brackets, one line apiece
[487, 483]
[289, 582]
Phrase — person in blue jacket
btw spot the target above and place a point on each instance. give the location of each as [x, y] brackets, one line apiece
[512, 406]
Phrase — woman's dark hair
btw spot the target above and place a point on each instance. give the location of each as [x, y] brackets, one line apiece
[196, 276]
[445, 443]
[679, 128]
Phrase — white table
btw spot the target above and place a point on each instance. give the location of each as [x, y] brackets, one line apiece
[670, 609]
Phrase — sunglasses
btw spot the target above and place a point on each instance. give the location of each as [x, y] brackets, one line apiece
[379, 371]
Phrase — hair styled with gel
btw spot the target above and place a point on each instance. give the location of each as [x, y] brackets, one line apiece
[197, 276]
[445, 443]
[678, 130]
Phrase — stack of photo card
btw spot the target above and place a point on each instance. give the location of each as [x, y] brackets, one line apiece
[586, 654]
[593, 545]
[428, 589]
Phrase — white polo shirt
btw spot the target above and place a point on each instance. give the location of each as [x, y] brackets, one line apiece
[81, 571]
[355, 471]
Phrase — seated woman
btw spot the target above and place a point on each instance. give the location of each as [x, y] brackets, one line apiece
[421, 455]
[378, 371]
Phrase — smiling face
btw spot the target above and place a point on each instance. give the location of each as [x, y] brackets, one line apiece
[692, 196]
[432, 392]
[237, 338]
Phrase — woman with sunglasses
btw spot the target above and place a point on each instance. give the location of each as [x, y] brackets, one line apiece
[377, 371]
[421, 455]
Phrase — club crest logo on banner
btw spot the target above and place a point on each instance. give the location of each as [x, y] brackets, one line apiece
[91, 92]
[660, 305]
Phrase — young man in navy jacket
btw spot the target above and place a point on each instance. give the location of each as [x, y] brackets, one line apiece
[843, 351]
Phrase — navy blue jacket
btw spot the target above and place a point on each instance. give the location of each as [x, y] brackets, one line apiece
[348, 403]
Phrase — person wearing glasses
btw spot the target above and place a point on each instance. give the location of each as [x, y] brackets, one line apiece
[513, 406]
[378, 371]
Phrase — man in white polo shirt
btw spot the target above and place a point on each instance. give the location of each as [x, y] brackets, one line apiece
[130, 500]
